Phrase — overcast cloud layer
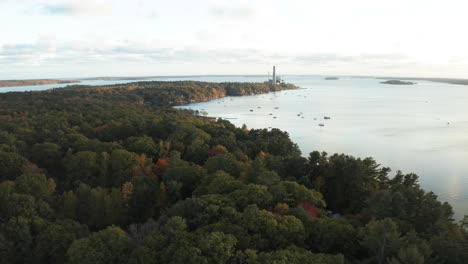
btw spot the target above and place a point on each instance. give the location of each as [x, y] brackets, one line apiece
[83, 38]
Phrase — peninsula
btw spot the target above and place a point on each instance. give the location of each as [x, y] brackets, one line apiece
[161, 93]
[398, 82]
[10, 83]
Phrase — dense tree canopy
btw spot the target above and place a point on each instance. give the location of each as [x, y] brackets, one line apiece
[105, 175]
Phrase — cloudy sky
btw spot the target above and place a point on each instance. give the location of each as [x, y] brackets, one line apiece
[83, 38]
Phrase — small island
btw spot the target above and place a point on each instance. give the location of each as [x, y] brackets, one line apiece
[398, 82]
[10, 83]
[331, 78]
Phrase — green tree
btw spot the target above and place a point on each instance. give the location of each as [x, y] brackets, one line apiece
[272, 231]
[47, 155]
[111, 245]
[81, 167]
[381, 238]
[52, 242]
[33, 184]
[122, 165]
[21, 231]
[409, 255]
[345, 181]
[142, 145]
[11, 165]
[218, 183]
[259, 174]
[292, 193]
[146, 198]
[294, 255]
[204, 210]
[251, 194]
[217, 247]
[188, 177]
[225, 162]
[332, 236]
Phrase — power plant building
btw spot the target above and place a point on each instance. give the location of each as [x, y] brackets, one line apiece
[275, 79]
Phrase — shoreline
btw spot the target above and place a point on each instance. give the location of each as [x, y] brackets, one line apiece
[194, 101]
[33, 82]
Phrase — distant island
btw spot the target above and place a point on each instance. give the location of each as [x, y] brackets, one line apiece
[10, 83]
[398, 82]
[439, 80]
[331, 78]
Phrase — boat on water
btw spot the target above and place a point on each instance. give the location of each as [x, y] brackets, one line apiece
[326, 117]
[321, 125]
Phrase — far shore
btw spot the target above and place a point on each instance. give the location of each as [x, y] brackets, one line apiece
[439, 80]
[36, 82]
[13, 83]
[398, 82]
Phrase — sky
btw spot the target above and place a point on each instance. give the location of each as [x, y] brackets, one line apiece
[88, 38]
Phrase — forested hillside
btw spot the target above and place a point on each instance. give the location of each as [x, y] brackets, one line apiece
[105, 175]
[156, 93]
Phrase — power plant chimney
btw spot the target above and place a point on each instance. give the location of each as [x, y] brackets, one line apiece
[274, 75]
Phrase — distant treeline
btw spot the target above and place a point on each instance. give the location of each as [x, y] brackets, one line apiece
[100, 175]
[10, 83]
[155, 93]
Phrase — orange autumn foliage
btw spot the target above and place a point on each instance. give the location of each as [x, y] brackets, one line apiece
[218, 150]
[309, 208]
[161, 165]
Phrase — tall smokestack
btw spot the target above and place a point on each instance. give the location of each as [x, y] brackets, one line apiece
[274, 75]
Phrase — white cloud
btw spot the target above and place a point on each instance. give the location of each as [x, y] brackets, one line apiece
[77, 7]
[303, 36]
[46, 51]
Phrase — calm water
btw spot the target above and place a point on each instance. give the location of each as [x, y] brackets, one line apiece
[421, 128]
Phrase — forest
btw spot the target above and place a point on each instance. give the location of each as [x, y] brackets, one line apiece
[9, 83]
[115, 175]
[160, 93]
